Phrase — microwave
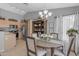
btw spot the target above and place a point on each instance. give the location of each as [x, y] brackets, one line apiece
[13, 26]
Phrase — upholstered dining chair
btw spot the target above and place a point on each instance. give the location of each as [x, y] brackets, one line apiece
[54, 35]
[34, 35]
[32, 49]
[58, 52]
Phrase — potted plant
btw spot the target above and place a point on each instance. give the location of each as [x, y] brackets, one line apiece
[72, 32]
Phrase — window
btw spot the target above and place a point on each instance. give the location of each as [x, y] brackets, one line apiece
[68, 22]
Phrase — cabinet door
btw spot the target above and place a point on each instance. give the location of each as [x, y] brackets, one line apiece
[3, 23]
[10, 40]
[1, 41]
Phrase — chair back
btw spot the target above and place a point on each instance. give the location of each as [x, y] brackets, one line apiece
[34, 35]
[54, 35]
[31, 46]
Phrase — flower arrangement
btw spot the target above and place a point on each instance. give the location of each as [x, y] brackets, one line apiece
[45, 36]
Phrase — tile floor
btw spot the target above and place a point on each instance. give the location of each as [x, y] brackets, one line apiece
[19, 50]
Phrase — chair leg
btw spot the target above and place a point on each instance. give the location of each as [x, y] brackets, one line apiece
[27, 53]
[45, 55]
[52, 51]
[75, 53]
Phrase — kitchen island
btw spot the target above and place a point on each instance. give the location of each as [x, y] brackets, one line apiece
[7, 40]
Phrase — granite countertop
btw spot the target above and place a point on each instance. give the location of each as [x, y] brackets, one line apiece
[7, 29]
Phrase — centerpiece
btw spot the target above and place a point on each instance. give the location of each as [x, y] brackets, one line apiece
[45, 37]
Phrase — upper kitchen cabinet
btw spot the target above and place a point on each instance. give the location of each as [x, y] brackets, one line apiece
[3, 22]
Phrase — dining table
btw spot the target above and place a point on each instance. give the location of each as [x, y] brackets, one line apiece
[49, 44]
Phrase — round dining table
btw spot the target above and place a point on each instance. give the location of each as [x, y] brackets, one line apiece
[48, 45]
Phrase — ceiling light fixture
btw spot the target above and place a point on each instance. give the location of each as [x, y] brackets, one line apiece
[45, 14]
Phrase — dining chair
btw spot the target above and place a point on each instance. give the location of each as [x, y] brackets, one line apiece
[58, 52]
[32, 49]
[54, 35]
[34, 35]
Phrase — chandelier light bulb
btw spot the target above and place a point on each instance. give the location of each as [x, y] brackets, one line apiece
[41, 16]
[50, 14]
[40, 13]
[45, 11]
[46, 16]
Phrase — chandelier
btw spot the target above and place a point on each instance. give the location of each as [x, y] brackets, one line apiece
[45, 14]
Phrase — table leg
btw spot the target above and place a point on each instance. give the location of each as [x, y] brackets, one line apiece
[52, 51]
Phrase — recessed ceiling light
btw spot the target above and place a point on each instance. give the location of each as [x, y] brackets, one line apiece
[18, 9]
[13, 7]
[23, 11]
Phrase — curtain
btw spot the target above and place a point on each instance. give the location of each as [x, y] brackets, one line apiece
[59, 27]
[63, 23]
[76, 26]
[68, 22]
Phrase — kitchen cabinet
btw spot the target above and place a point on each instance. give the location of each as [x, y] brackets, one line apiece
[7, 40]
[10, 40]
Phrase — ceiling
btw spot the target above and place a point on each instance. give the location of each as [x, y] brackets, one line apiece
[22, 8]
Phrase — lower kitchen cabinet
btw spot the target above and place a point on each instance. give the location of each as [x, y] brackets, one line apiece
[7, 40]
[10, 40]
